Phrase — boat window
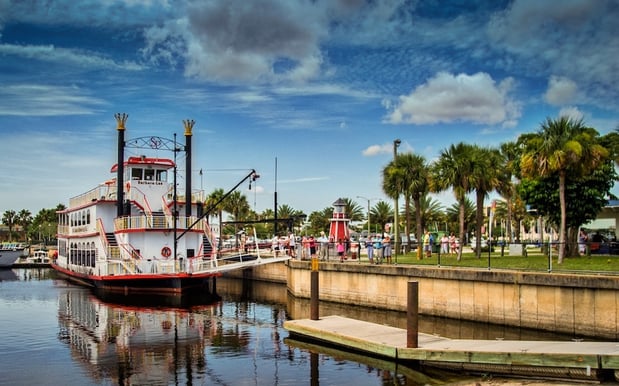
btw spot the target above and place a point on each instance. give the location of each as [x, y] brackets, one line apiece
[136, 174]
[162, 175]
[149, 174]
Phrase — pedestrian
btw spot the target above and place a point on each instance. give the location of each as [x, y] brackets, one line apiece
[292, 242]
[312, 246]
[378, 249]
[582, 242]
[370, 248]
[444, 244]
[387, 248]
[452, 244]
[323, 241]
[427, 247]
[340, 250]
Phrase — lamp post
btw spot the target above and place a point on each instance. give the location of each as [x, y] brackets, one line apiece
[396, 229]
[368, 200]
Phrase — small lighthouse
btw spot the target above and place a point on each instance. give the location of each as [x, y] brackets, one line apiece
[339, 222]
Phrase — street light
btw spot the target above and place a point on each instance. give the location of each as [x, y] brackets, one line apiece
[368, 200]
[396, 229]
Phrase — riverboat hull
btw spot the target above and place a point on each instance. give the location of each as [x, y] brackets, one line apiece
[142, 284]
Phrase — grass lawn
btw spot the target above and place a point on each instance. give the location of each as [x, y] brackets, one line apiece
[534, 261]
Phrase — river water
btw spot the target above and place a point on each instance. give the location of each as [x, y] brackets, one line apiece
[56, 333]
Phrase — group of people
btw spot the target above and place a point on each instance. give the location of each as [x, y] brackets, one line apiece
[381, 247]
[308, 248]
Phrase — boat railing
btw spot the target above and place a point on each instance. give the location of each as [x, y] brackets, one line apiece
[156, 222]
[103, 191]
[136, 195]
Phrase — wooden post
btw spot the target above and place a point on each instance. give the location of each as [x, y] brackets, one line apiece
[314, 290]
[412, 315]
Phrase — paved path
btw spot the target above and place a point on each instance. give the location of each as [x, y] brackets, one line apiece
[570, 359]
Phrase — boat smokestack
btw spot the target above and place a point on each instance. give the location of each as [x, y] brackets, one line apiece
[188, 127]
[120, 183]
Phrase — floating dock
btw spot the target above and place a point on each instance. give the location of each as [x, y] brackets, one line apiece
[551, 359]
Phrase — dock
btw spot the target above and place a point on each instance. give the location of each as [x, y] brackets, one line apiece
[551, 359]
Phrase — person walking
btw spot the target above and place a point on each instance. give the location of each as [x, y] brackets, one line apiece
[323, 251]
[387, 250]
[341, 250]
[369, 245]
[427, 246]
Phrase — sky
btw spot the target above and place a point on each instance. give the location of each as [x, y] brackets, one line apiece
[310, 94]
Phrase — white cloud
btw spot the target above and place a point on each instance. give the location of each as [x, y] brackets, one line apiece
[451, 98]
[571, 112]
[43, 100]
[560, 90]
[66, 57]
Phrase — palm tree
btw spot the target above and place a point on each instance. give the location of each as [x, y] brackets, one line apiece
[506, 187]
[560, 147]
[352, 210]
[484, 179]
[382, 214]
[215, 203]
[415, 185]
[393, 185]
[454, 170]
[9, 218]
[453, 215]
[24, 219]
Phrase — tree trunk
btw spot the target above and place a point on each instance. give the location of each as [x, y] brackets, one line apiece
[479, 219]
[419, 230]
[461, 229]
[563, 217]
[407, 214]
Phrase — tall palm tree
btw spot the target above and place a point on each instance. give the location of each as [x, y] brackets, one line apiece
[485, 178]
[453, 170]
[507, 187]
[393, 185]
[415, 185]
[560, 147]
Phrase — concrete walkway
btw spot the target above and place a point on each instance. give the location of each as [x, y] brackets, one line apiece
[576, 360]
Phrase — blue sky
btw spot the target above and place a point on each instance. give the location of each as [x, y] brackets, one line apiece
[324, 87]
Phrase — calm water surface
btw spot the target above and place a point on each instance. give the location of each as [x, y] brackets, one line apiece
[56, 333]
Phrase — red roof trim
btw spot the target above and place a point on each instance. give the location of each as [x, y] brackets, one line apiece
[146, 161]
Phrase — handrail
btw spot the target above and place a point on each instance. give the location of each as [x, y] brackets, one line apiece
[148, 222]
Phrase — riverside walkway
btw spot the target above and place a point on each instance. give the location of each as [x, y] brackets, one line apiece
[552, 359]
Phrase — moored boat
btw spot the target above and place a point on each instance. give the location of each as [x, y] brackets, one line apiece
[127, 235]
[10, 252]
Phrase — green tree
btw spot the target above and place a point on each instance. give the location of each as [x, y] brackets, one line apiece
[562, 146]
[10, 219]
[453, 216]
[24, 219]
[353, 211]
[415, 187]
[382, 214]
[454, 170]
[320, 221]
[485, 178]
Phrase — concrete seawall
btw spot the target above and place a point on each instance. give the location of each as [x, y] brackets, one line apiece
[582, 305]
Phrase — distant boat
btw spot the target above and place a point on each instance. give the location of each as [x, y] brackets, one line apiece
[40, 256]
[133, 234]
[10, 252]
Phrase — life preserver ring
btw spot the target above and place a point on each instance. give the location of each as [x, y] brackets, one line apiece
[128, 186]
[166, 252]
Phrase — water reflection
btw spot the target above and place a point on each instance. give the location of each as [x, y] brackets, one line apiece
[192, 340]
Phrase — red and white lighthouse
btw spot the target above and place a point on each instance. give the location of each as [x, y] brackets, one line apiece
[339, 222]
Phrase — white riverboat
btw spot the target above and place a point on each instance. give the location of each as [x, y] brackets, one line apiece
[134, 234]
